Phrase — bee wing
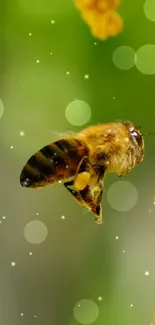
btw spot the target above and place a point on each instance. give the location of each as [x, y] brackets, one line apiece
[120, 120]
[61, 134]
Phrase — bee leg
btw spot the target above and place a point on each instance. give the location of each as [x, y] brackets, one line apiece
[124, 172]
[98, 214]
[83, 167]
[91, 203]
[97, 211]
[85, 198]
[98, 198]
[121, 175]
[70, 187]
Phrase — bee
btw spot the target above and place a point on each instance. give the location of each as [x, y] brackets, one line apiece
[82, 161]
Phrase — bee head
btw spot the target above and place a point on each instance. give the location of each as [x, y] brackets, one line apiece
[136, 136]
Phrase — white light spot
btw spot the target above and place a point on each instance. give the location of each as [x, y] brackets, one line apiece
[122, 195]
[21, 133]
[149, 9]
[78, 112]
[147, 273]
[150, 210]
[86, 76]
[13, 263]
[30, 253]
[123, 251]
[67, 72]
[63, 217]
[37, 213]
[37, 61]
[4, 217]
[30, 34]
[131, 305]
[66, 166]
[124, 57]
[52, 22]
[11, 147]
[35, 316]
[35, 232]
[1, 108]
[114, 97]
[21, 314]
[0, 221]
[59, 182]
[144, 59]
[86, 311]
[51, 53]
[95, 43]
[99, 298]
[117, 237]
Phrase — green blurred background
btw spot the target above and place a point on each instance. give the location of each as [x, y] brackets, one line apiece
[42, 284]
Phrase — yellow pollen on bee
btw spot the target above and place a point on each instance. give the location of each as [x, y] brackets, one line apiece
[82, 180]
[126, 139]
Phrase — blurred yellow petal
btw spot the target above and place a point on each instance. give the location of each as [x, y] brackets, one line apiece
[90, 17]
[106, 25]
[101, 17]
[99, 31]
[104, 5]
[114, 23]
[99, 5]
[85, 4]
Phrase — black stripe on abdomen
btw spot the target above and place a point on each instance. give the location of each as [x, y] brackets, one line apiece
[40, 164]
[55, 156]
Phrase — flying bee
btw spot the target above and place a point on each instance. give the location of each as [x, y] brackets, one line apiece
[81, 161]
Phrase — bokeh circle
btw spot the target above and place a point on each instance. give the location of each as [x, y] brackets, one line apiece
[122, 196]
[86, 311]
[78, 112]
[145, 59]
[124, 57]
[35, 232]
[149, 9]
[1, 108]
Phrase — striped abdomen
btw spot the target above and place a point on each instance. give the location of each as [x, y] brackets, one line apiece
[54, 162]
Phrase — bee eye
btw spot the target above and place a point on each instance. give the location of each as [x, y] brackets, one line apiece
[134, 133]
[137, 136]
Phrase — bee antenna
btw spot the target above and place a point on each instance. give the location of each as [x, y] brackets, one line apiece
[149, 133]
